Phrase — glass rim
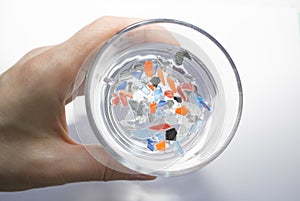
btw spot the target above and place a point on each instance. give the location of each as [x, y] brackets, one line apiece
[133, 26]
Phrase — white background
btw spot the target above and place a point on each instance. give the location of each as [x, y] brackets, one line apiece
[263, 160]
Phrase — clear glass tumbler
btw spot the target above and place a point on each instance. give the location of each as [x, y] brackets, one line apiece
[161, 97]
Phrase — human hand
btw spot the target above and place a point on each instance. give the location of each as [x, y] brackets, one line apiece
[35, 149]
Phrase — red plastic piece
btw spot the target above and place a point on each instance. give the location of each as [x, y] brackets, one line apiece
[187, 86]
[169, 94]
[123, 99]
[181, 93]
[115, 100]
[160, 127]
[125, 93]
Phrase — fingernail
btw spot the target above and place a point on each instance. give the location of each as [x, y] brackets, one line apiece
[142, 177]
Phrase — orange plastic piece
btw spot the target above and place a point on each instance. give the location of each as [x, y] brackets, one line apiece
[160, 74]
[172, 84]
[153, 108]
[148, 68]
[161, 146]
[182, 110]
[169, 94]
[151, 87]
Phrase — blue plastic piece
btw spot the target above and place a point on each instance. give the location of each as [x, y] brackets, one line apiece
[122, 86]
[160, 112]
[141, 134]
[155, 69]
[157, 93]
[161, 103]
[150, 146]
[179, 149]
[200, 102]
[145, 90]
[205, 105]
[160, 136]
[137, 74]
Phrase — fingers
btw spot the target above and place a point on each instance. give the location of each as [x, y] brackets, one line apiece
[81, 166]
[70, 55]
[93, 35]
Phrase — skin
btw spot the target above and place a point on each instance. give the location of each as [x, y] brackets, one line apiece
[35, 148]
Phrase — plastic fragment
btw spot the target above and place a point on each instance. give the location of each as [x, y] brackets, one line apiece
[172, 84]
[157, 93]
[155, 69]
[139, 111]
[161, 103]
[151, 87]
[195, 126]
[123, 99]
[171, 134]
[130, 117]
[161, 76]
[160, 112]
[179, 149]
[150, 146]
[160, 127]
[192, 118]
[128, 94]
[141, 134]
[151, 117]
[161, 146]
[180, 55]
[137, 74]
[133, 104]
[150, 141]
[155, 81]
[182, 95]
[145, 90]
[160, 136]
[148, 68]
[183, 129]
[153, 108]
[187, 86]
[169, 94]
[178, 99]
[182, 110]
[122, 86]
[115, 99]
[171, 119]
[200, 102]
[170, 103]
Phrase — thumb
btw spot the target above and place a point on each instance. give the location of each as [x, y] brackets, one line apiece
[83, 167]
